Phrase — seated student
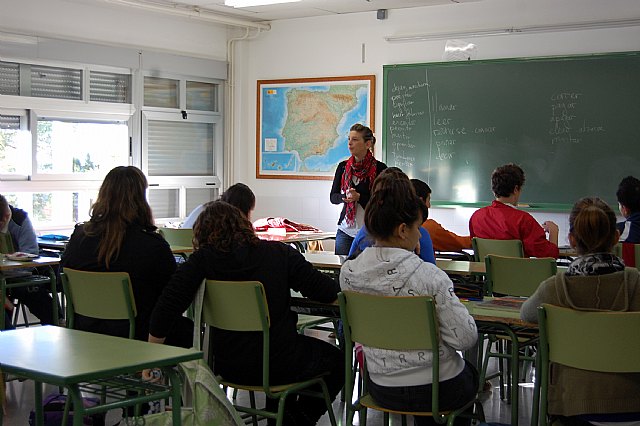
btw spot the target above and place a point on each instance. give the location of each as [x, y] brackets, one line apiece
[121, 237]
[239, 195]
[442, 239]
[228, 249]
[595, 281]
[17, 224]
[403, 380]
[364, 240]
[629, 203]
[503, 221]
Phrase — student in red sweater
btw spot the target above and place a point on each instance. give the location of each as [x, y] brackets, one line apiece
[503, 221]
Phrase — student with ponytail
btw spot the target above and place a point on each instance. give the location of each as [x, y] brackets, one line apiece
[595, 281]
[403, 380]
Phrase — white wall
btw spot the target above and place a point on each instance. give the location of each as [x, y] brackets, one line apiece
[331, 46]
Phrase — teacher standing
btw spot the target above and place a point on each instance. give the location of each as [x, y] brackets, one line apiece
[352, 185]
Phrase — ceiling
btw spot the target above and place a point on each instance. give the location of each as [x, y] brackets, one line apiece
[302, 9]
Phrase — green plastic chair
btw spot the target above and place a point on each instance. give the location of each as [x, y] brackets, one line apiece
[177, 236]
[103, 295]
[585, 340]
[519, 277]
[482, 247]
[242, 306]
[374, 321]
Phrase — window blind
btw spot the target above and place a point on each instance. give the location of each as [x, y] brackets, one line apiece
[10, 122]
[109, 87]
[180, 148]
[9, 78]
[54, 82]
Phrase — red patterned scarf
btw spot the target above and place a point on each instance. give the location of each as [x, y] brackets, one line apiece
[366, 169]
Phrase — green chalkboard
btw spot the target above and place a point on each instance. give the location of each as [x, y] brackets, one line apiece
[572, 123]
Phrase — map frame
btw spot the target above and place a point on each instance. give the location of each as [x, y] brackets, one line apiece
[263, 85]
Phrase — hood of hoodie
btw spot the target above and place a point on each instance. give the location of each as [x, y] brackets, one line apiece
[378, 269]
[608, 292]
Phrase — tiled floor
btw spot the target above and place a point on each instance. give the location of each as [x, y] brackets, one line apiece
[20, 402]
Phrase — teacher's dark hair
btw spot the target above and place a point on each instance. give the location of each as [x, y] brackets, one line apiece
[393, 202]
[121, 202]
[505, 179]
[592, 224]
[223, 227]
[241, 196]
[367, 133]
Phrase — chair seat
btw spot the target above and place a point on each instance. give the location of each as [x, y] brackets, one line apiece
[30, 279]
[275, 388]
[369, 402]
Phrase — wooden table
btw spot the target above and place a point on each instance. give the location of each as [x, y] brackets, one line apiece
[298, 239]
[77, 359]
[9, 265]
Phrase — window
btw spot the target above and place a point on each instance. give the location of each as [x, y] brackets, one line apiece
[15, 146]
[161, 92]
[81, 147]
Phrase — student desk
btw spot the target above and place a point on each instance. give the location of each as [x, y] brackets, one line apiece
[78, 359]
[323, 260]
[498, 321]
[7, 265]
[298, 239]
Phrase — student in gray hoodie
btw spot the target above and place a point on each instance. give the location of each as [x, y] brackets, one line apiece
[403, 380]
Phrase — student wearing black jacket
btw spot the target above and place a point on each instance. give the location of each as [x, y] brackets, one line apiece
[228, 249]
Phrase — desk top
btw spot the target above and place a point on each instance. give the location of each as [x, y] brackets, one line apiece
[182, 249]
[296, 237]
[6, 264]
[454, 267]
[62, 356]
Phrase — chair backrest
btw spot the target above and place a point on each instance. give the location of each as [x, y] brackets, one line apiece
[374, 321]
[517, 276]
[6, 243]
[177, 236]
[239, 306]
[596, 341]
[103, 295]
[482, 247]
[630, 254]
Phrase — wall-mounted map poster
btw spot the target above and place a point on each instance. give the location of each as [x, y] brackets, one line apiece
[302, 124]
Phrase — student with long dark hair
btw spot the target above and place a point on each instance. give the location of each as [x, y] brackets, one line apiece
[121, 237]
[403, 380]
[228, 249]
[596, 280]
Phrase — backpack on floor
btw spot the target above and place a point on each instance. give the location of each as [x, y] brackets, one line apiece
[53, 411]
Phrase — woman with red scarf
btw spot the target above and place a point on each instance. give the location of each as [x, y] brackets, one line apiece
[352, 185]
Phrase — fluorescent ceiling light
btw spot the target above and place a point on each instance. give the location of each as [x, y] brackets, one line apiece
[250, 3]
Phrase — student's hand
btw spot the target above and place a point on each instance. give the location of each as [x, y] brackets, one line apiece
[550, 227]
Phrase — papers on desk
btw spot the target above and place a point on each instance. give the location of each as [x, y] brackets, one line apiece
[508, 307]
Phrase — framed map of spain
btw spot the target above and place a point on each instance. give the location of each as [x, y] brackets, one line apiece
[302, 124]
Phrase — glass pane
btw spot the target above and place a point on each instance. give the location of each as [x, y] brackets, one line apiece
[15, 146]
[53, 82]
[197, 196]
[56, 208]
[109, 87]
[177, 148]
[81, 147]
[163, 202]
[160, 92]
[202, 96]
